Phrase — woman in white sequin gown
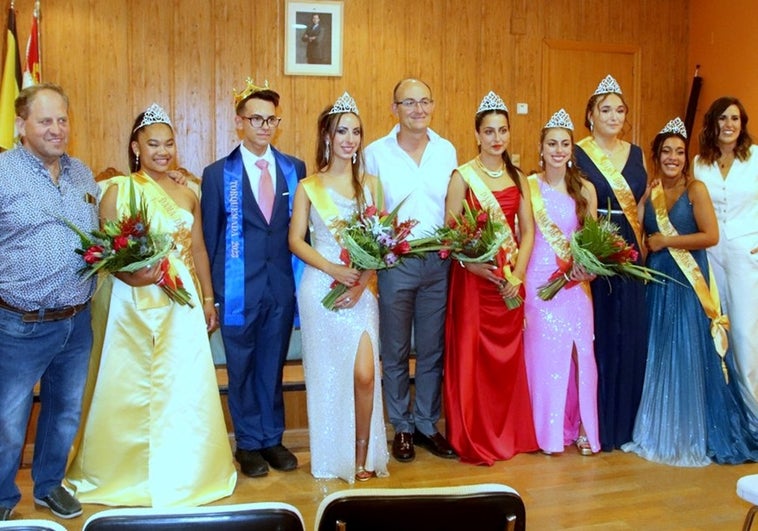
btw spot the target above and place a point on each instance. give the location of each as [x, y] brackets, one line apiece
[340, 347]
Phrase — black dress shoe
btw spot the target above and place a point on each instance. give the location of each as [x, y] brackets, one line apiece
[251, 463]
[61, 503]
[436, 444]
[5, 513]
[402, 447]
[279, 458]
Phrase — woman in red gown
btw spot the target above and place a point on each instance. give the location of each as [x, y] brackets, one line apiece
[488, 412]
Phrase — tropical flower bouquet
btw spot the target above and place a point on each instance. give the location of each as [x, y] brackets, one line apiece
[127, 245]
[372, 240]
[472, 236]
[598, 249]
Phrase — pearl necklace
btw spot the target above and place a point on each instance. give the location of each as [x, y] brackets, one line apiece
[496, 174]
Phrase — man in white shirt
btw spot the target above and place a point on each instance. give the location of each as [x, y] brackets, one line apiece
[414, 164]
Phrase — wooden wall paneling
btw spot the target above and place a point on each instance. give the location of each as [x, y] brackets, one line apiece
[193, 86]
[152, 63]
[386, 67]
[527, 83]
[114, 58]
[495, 71]
[71, 69]
[109, 111]
[233, 62]
[458, 83]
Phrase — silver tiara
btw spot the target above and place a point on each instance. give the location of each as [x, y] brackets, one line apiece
[344, 103]
[154, 115]
[608, 86]
[492, 102]
[560, 119]
[675, 126]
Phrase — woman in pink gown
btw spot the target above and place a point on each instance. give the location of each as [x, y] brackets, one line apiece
[558, 340]
[488, 415]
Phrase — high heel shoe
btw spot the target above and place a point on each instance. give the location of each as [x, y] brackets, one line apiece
[361, 474]
[583, 445]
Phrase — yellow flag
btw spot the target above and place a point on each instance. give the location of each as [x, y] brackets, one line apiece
[10, 85]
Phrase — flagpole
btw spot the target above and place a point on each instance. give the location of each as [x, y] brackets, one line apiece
[38, 16]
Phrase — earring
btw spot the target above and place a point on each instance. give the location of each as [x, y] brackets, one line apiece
[541, 162]
[355, 157]
[327, 152]
[136, 161]
[569, 163]
[592, 126]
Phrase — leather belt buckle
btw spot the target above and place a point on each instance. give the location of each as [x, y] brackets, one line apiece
[57, 314]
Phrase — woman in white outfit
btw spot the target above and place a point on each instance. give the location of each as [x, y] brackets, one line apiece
[728, 165]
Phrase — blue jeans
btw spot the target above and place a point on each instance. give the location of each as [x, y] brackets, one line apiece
[57, 355]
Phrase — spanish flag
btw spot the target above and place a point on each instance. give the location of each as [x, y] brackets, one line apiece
[33, 69]
[10, 85]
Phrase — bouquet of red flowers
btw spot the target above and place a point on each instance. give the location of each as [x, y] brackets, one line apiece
[372, 240]
[128, 245]
[598, 249]
[473, 236]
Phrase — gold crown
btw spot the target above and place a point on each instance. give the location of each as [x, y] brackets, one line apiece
[250, 89]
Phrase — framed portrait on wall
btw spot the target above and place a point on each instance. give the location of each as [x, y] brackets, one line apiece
[313, 38]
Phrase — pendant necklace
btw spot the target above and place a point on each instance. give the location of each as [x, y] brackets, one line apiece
[496, 174]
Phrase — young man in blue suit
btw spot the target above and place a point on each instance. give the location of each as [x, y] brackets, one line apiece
[246, 204]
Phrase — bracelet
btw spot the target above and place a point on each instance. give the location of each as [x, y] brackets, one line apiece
[462, 264]
[208, 299]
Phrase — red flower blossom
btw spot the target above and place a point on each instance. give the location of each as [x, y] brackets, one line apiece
[371, 210]
[345, 256]
[481, 219]
[120, 242]
[93, 254]
[402, 248]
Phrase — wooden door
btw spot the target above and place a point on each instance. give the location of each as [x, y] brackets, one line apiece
[571, 72]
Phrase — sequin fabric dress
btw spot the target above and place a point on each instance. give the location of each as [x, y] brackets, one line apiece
[330, 340]
[563, 388]
[488, 414]
[620, 316]
[689, 415]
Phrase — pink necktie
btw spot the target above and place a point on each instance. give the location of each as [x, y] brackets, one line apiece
[265, 190]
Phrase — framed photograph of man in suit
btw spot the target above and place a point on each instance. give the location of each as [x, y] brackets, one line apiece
[313, 38]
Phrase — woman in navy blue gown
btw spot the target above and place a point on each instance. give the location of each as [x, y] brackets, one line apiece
[615, 167]
[691, 411]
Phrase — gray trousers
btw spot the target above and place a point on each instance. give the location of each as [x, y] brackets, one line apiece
[413, 296]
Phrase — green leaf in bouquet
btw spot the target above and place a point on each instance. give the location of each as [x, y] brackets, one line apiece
[359, 256]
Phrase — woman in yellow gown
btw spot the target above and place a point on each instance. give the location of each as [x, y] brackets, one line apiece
[153, 432]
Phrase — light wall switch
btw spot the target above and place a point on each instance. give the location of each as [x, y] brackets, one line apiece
[522, 108]
[516, 159]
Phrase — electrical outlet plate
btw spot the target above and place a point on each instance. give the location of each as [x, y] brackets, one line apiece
[522, 108]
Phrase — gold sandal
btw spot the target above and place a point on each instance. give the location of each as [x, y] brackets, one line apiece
[583, 445]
